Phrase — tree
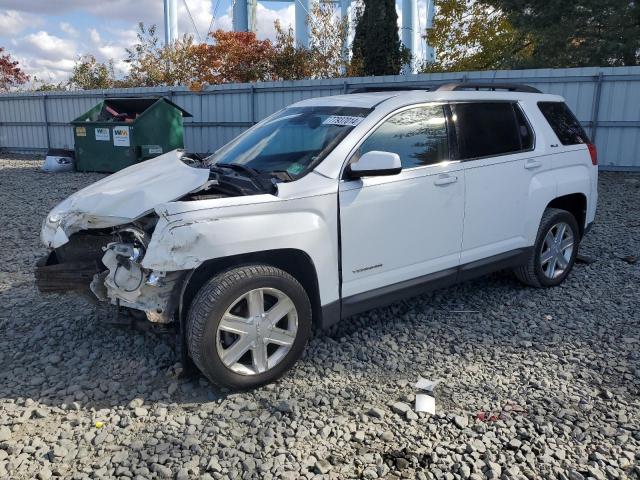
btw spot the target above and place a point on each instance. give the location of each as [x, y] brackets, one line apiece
[376, 46]
[468, 35]
[576, 33]
[154, 64]
[324, 58]
[90, 74]
[234, 57]
[11, 75]
[39, 85]
[289, 61]
[328, 36]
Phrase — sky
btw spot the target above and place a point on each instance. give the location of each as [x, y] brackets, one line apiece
[47, 36]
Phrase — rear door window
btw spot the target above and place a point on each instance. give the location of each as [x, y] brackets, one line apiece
[563, 122]
[486, 129]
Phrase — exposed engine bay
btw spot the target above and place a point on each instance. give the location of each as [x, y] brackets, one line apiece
[106, 263]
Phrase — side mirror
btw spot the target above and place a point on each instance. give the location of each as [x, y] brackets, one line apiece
[375, 164]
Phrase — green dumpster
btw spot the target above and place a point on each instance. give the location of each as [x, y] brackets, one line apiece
[119, 132]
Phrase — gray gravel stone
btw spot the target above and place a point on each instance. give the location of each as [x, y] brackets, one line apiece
[550, 370]
[5, 433]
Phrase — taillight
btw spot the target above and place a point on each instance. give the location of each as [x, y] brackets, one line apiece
[593, 151]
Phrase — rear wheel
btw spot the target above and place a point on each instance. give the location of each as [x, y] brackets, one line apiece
[247, 326]
[554, 252]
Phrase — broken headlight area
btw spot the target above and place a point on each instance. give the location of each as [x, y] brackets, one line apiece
[106, 265]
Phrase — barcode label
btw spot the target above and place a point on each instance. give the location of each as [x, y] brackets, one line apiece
[343, 120]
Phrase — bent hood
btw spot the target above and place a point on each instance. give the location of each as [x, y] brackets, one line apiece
[122, 197]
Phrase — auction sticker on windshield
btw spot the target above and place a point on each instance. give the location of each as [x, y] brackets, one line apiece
[343, 120]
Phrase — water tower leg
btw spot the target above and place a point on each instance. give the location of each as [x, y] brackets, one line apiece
[409, 33]
[344, 14]
[430, 55]
[174, 19]
[302, 29]
[252, 20]
[170, 21]
[240, 16]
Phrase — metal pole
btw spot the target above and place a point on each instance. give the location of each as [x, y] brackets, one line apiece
[595, 109]
[174, 19]
[46, 120]
[409, 36]
[303, 29]
[167, 23]
[344, 14]
[430, 55]
[170, 21]
[240, 16]
[253, 104]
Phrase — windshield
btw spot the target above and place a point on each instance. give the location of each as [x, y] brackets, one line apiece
[294, 140]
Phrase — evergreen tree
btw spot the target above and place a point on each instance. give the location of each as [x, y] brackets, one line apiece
[577, 33]
[376, 46]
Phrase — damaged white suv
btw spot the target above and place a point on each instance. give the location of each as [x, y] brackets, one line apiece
[327, 208]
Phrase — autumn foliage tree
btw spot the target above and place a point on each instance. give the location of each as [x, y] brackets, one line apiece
[289, 61]
[233, 57]
[89, 74]
[152, 63]
[11, 75]
[469, 35]
[324, 58]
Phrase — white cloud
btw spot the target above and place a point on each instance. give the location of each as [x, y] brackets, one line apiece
[94, 35]
[266, 18]
[68, 29]
[13, 22]
[49, 46]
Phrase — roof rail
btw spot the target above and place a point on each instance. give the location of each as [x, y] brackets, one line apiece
[511, 87]
[386, 88]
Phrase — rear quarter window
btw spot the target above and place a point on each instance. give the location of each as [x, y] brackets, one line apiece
[563, 122]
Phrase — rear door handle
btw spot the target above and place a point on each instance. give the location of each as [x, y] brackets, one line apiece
[445, 180]
[531, 164]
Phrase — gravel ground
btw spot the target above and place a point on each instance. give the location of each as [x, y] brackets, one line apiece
[533, 383]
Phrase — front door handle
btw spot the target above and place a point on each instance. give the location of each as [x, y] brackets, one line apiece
[531, 164]
[445, 180]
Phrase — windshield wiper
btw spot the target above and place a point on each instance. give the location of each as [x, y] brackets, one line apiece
[252, 172]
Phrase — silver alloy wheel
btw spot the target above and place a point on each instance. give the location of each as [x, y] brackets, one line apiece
[257, 331]
[556, 250]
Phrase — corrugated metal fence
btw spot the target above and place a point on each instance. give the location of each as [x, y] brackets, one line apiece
[605, 100]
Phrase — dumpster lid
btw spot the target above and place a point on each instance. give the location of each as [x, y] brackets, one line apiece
[124, 109]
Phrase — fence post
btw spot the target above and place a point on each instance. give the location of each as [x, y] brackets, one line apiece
[252, 98]
[595, 108]
[46, 120]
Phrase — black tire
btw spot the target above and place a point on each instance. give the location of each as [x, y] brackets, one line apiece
[212, 301]
[531, 272]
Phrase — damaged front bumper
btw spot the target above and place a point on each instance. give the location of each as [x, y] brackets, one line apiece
[112, 273]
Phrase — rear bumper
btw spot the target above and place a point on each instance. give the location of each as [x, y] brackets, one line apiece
[54, 277]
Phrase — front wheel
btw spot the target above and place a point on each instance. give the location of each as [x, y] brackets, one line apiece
[247, 326]
[554, 252]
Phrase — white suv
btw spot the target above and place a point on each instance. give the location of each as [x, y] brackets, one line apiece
[328, 208]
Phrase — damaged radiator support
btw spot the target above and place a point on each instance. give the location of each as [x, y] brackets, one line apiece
[126, 283]
[106, 267]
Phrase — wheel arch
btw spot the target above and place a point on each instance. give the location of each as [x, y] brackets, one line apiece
[574, 203]
[295, 262]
